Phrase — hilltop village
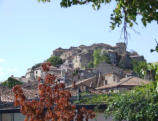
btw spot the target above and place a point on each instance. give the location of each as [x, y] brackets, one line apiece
[80, 68]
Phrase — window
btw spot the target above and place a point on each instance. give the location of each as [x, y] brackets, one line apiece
[105, 82]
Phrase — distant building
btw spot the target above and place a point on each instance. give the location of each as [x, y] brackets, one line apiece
[106, 68]
[124, 84]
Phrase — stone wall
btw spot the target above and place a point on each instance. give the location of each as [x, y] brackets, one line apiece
[105, 68]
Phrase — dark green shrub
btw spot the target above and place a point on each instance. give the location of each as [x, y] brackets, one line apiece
[11, 82]
[55, 60]
[140, 104]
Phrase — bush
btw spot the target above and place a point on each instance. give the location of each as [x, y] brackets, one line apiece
[98, 57]
[139, 67]
[11, 82]
[36, 66]
[90, 65]
[140, 104]
[55, 60]
[95, 99]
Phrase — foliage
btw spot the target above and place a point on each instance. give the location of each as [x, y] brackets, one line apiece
[76, 72]
[53, 103]
[11, 82]
[139, 67]
[140, 104]
[153, 69]
[36, 66]
[98, 57]
[156, 48]
[90, 64]
[55, 60]
[95, 99]
[125, 10]
[105, 57]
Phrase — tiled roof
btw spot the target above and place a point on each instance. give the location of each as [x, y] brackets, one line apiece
[129, 81]
[81, 82]
[30, 91]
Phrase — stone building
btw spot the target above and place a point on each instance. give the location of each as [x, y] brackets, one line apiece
[29, 74]
[59, 51]
[109, 78]
[124, 84]
[83, 54]
[82, 60]
[120, 48]
[105, 68]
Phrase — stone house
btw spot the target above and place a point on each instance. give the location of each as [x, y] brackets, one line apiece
[120, 48]
[81, 60]
[33, 73]
[37, 72]
[108, 78]
[105, 68]
[84, 84]
[29, 74]
[126, 83]
[59, 51]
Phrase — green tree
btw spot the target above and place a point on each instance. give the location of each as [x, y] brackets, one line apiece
[98, 57]
[36, 66]
[55, 60]
[125, 11]
[139, 67]
[90, 64]
[11, 82]
[105, 57]
[140, 104]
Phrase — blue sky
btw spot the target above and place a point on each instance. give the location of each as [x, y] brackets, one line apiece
[30, 31]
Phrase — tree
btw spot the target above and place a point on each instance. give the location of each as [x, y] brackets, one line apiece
[140, 104]
[105, 57]
[36, 66]
[139, 67]
[11, 82]
[90, 64]
[126, 11]
[156, 48]
[53, 103]
[55, 60]
[98, 57]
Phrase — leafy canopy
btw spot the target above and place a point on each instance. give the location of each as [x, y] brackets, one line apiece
[135, 105]
[55, 60]
[139, 67]
[90, 64]
[98, 57]
[125, 11]
[11, 82]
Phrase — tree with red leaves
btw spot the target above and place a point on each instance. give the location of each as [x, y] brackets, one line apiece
[53, 103]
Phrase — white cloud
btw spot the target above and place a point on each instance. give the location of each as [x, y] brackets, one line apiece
[2, 60]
